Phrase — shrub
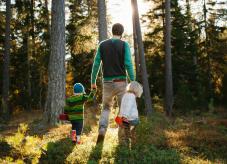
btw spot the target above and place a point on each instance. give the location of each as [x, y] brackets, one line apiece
[24, 147]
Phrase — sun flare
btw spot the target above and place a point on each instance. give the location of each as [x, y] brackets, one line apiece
[120, 11]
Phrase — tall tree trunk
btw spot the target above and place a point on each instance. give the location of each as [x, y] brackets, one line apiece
[30, 52]
[102, 24]
[168, 62]
[102, 20]
[210, 88]
[29, 90]
[148, 106]
[136, 53]
[6, 63]
[44, 65]
[32, 24]
[56, 70]
[48, 21]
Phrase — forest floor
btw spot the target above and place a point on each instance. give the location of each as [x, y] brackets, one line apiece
[185, 139]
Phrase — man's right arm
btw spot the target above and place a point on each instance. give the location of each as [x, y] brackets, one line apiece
[96, 67]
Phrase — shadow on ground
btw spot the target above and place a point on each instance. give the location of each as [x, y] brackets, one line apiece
[96, 152]
[5, 149]
[57, 152]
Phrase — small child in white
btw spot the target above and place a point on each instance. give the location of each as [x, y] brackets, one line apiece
[128, 116]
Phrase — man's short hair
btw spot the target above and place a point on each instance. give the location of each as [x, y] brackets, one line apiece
[117, 29]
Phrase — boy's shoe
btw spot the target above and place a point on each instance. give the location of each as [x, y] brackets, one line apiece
[78, 142]
[73, 136]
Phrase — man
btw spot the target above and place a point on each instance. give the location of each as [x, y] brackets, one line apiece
[116, 60]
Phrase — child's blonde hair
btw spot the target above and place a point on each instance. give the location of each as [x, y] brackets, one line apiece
[135, 87]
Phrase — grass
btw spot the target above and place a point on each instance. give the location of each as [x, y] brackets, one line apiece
[185, 139]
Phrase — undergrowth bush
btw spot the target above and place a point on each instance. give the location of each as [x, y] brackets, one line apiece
[191, 139]
[143, 153]
[23, 148]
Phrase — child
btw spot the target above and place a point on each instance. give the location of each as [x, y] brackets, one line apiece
[128, 117]
[74, 110]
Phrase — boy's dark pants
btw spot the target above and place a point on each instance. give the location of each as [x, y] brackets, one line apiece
[78, 126]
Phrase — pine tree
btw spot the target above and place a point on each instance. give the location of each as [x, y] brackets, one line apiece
[147, 97]
[154, 48]
[6, 63]
[102, 25]
[168, 62]
[56, 70]
[80, 39]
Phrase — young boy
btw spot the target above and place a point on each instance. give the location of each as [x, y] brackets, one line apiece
[74, 110]
[128, 117]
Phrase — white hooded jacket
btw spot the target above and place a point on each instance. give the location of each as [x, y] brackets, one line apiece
[128, 107]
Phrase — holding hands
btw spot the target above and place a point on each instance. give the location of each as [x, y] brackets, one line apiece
[93, 86]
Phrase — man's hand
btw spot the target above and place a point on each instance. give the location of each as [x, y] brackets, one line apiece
[93, 86]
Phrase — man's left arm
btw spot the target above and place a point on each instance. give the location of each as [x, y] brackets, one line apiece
[128, 62]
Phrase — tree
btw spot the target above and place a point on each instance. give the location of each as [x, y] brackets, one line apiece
[136, 54]
[6, 62]
[81, 33]
[80, 39]
[154, 48]
[168, 62]
[56, 69]
[102, 20]
[148, 106]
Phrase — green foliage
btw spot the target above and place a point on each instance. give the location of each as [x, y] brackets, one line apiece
[5, 148]
[151, 130]
[80, 30]
[57, 152]
[23, 147]
[188, 139]
[184, 100]
[198, 62]
[146, 154]
[83, 60]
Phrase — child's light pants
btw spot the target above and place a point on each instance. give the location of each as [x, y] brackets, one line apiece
[110, 90]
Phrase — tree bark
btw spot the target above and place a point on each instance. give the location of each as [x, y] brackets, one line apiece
[102, 20]
[29, 87]
[32, 30]
[48, 21]
[168, 62]
[44, 66]
[148, 106]
[6, 63]
[136, 53]
[210, 87]
[56, 70]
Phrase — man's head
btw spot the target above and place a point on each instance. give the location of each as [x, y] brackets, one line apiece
[117, 29]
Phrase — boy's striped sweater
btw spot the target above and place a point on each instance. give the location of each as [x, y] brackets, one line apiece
[75, 106]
